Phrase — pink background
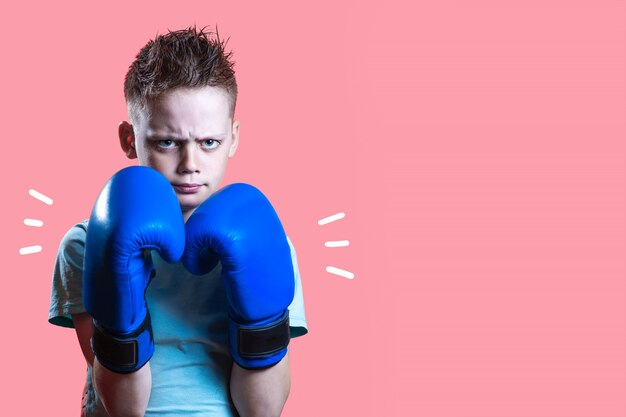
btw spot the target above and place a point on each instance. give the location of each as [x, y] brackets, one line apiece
[477, 148]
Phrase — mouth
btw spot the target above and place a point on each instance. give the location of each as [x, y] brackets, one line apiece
[187, 188]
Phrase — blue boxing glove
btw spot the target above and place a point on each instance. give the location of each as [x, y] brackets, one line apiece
[136, 211]
[238, 226]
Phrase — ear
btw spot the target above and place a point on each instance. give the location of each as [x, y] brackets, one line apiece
[127, 139]
[235, 137]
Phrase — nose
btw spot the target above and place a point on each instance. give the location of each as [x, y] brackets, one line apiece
[188, 163]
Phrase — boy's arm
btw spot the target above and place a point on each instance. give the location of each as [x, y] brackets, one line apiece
[136, 211]
[123, 395]
[261, 392]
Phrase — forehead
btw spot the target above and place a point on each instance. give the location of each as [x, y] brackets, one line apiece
[184, 109]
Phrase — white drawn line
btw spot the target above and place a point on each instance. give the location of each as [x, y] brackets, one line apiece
[40, 197]
[33, 222]
[336, 243]
[332, 218]
[340, 272]
[30, 249]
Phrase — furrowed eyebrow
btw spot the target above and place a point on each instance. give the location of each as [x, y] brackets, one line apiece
[163, 137]
[219, 136]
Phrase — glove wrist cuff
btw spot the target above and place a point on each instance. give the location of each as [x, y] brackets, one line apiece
[123, 353]
[260, 346]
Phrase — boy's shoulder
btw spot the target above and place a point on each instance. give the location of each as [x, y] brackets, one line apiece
[66, 293]
[74, 238]
[80, 227]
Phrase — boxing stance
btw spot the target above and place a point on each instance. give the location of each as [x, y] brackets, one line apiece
[137, 211]
[158, 339]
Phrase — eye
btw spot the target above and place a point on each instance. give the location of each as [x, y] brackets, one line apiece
[210, 143]
[166, 144]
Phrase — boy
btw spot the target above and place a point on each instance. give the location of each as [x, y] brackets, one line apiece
[180, 93]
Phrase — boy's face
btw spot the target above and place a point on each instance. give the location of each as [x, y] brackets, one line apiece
[188, 136]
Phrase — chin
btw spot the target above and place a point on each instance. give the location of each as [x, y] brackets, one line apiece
[187, 203]
[191, 201]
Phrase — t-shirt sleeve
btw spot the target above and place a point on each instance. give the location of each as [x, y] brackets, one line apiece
[297, 319]
[66, 297]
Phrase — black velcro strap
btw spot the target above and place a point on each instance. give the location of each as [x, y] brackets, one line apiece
[117, 351]
[263, 341]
